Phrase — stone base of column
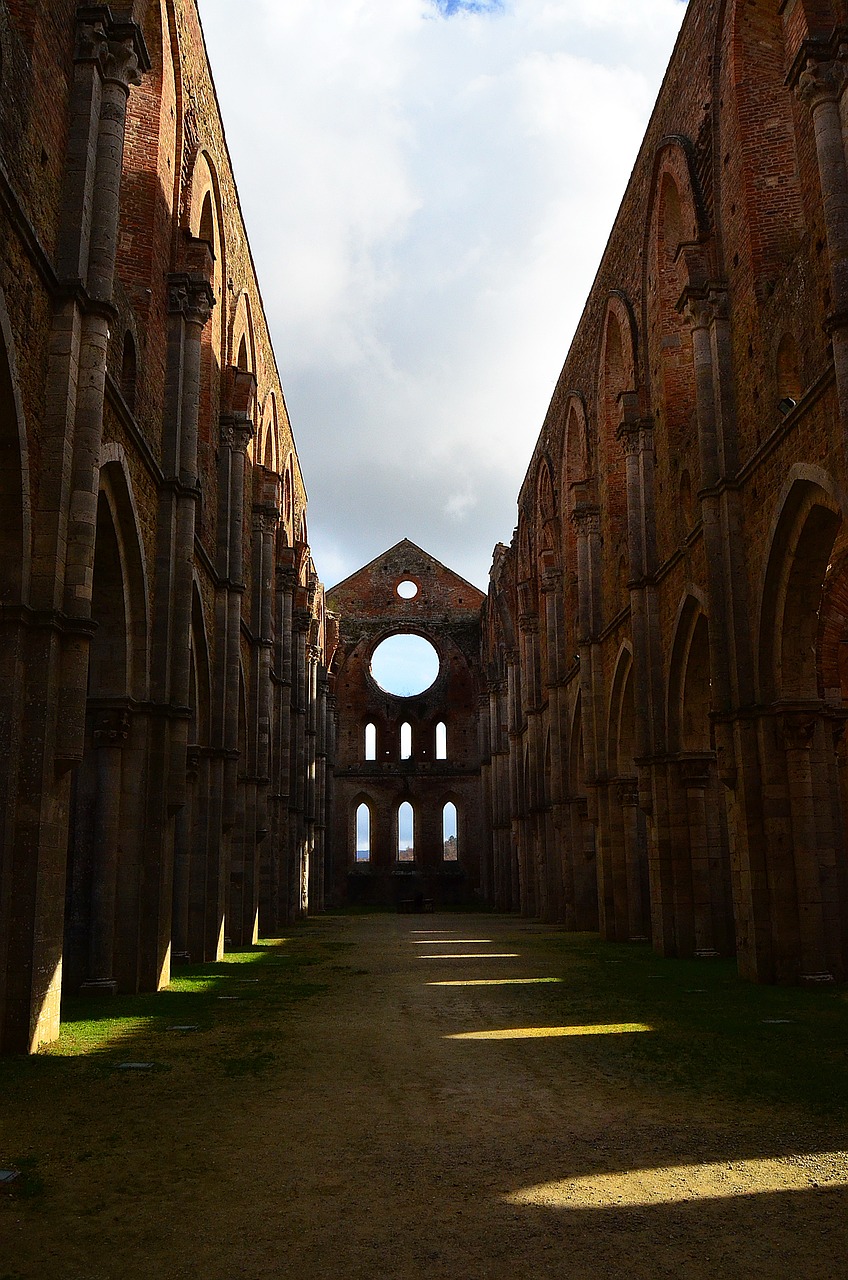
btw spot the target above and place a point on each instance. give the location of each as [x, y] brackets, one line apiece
[99, 987]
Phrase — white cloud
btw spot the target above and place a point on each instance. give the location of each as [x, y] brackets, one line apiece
[427, 200]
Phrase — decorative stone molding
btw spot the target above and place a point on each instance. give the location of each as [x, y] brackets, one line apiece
[236, 433]
[586, 518]
[695, 773]
[265, 518]
[117, 48]
[823, 79]
[627, 790]
[112, 728]
[192, 297]
[798, 729]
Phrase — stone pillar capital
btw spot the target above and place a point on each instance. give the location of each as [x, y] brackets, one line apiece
[265, 518]
[237, 431]
[823, 78]
[628, 792]
[701, 308]
[798, 729]
[112, 728]
[191, 297]
[695, 772]
[628, 434]
[586, 517]
[116, 48]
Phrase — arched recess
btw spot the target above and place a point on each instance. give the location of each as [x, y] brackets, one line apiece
[269, 446]
[102, 868]
[672, 258]
[548, 573]
[202, 673]
[802, 540]
[576, 487]
[204, 221]
[804, 843]
[242, 339]
[760, 167]
[287, 521]
[191, 821]
[625, 839]
[688, 703]
[581, 873]
[116, 495]
[151, 173]
[699, 849]
[617, 374]
[15, 534]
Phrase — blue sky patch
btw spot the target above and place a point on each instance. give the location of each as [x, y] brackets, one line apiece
[449, 7]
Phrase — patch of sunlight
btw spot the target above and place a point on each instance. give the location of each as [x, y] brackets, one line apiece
[493, 982]
[677, 1184]
[452, 942]
[484, 955]
[543, 1033]
[96, 1035]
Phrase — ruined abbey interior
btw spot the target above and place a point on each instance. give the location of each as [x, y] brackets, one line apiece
[639, 731]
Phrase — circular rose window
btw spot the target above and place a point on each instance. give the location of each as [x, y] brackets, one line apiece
[405, 665]
[407, 590]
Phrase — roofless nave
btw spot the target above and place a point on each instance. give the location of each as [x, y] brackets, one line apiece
[643, 723]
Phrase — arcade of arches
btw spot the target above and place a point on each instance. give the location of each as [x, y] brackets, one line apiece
[639, 730]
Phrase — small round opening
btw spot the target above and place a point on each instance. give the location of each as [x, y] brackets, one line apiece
[407, 590]
[405, 665]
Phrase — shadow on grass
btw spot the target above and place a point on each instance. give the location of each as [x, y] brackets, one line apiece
[712, 1033]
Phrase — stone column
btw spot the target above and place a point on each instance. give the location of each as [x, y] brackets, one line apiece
[484, 747]
[587, 522]
[110, 733]
[820, 85]
[274, 903]
[299, 856]
[109, 58]
[190, 302]
[52, 673]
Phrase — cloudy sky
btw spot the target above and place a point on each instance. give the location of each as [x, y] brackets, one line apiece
[428, 186]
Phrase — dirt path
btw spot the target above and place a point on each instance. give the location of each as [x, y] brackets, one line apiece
[379, 1145]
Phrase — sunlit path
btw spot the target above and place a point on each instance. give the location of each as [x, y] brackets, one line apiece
[512, 1105]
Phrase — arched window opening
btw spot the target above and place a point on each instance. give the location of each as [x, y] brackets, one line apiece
[406, 833]
[269, 448]
[241, 362]
[128, 371]
[363, 833]
[370, 742]
[441, 741]
[287, 497]
[207, 222]
[406, 741]
[671, 217]
[449, 833]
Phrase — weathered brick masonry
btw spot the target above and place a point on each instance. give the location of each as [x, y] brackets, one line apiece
[644, 721]
[435, 770]
[163, 689]
[665, 636]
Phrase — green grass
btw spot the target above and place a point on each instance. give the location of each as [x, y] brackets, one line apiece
[713, 1034]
